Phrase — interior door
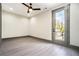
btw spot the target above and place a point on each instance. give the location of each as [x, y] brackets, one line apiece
[60, 25]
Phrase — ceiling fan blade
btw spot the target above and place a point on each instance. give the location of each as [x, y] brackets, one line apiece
[26, 5]
[36, 8]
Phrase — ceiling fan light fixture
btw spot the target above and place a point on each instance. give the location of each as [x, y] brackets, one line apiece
[30, 10]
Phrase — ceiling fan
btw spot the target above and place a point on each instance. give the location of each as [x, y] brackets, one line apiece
[30, 8]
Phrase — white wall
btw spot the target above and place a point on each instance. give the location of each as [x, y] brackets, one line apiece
[74, 24]
[14, 25]
[40, 25]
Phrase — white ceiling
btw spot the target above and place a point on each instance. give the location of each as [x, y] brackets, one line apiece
[20, 9]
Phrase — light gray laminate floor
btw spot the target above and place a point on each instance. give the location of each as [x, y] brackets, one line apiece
[28, 46]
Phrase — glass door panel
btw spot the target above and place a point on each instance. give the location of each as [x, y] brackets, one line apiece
[59, 25]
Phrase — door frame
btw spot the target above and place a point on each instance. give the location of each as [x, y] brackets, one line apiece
[0, 22]
[67, 25]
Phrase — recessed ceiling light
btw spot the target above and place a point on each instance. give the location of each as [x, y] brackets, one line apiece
[11, 8]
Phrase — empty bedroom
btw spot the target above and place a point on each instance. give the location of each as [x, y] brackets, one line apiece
[39, 29]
